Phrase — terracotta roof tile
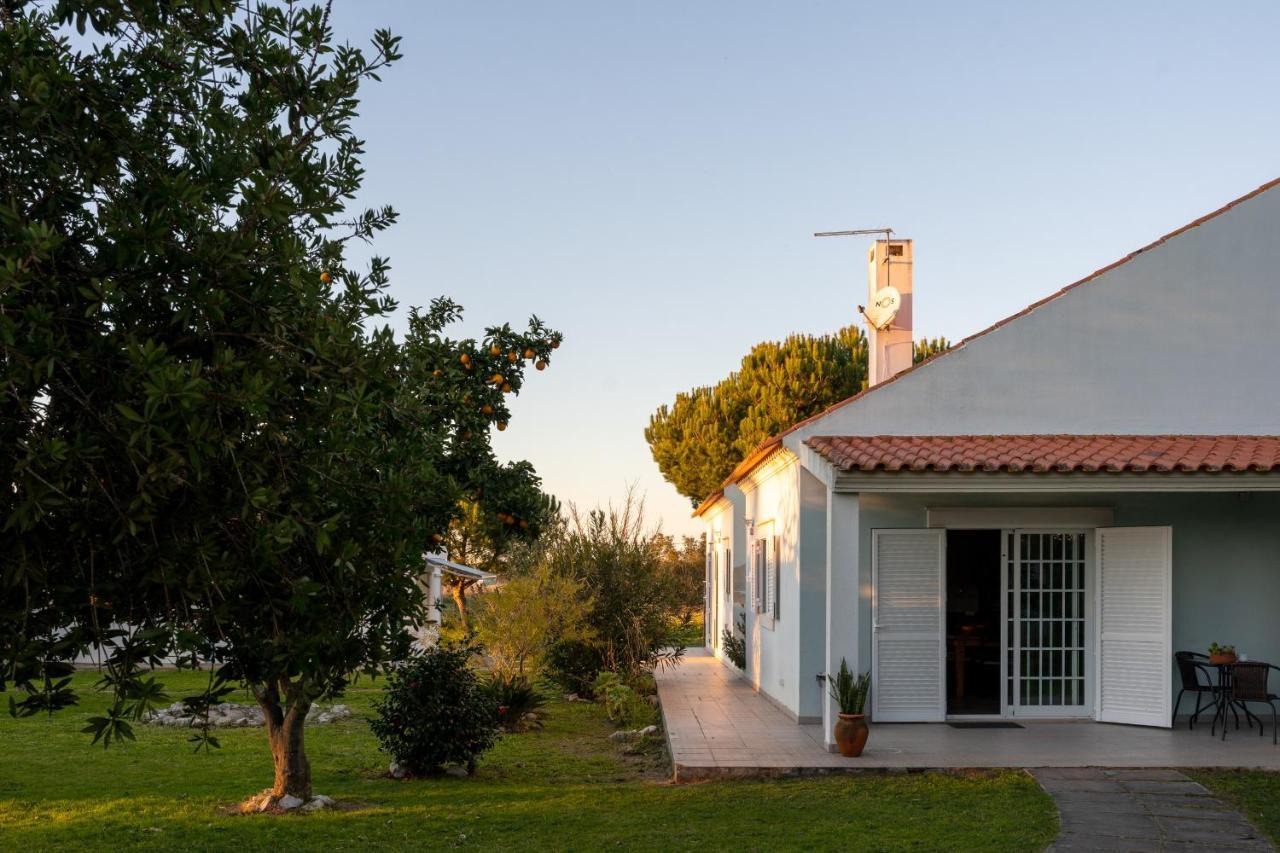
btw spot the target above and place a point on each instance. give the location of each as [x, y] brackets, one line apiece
[1051, 453]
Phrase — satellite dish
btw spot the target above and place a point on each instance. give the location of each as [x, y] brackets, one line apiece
[884, 307]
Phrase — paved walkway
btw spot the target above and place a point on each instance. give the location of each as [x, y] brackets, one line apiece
[717, 725]
[1151, 809]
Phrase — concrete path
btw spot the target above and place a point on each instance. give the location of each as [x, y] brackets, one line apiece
[1151, 809]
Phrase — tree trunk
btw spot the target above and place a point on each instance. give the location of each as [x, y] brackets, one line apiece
[459, 591]
[285, 726]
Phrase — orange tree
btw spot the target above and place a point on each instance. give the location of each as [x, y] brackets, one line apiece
[212, 447]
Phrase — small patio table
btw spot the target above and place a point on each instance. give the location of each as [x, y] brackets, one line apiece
[1224, 702]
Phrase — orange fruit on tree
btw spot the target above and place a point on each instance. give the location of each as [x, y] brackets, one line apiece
[487, 409]
[437, 373]
[464, 358]
[524, 524]
[495, 350]
[497, 379]
[555, 343]
[529, 353]
[325, 277]
[513, 356]
[542, 365]
[502, 425]
[506, 387]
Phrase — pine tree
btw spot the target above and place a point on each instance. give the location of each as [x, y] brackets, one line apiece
[706, 431]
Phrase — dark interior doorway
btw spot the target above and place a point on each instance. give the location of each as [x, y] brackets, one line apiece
[973, 621]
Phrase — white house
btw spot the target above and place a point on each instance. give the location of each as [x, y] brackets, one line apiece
[1031, 523]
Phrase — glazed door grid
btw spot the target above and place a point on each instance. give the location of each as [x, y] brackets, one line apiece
[1046, 601]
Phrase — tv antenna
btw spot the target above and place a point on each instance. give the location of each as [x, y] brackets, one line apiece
[886, 301]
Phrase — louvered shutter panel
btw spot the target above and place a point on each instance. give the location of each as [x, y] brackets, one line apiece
[777, 577]
[1135, 625]
[908, 625]
[757, 575]
[770, 576]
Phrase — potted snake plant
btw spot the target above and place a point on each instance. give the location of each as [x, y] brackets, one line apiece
[850, 695]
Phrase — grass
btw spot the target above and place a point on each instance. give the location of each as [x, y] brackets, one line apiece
[688, 634]
[1256, 793]
[566, 787]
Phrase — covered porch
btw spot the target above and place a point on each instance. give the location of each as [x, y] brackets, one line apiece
[718, 725]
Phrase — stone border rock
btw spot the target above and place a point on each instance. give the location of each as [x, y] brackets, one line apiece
[231, 715]
[265, 801]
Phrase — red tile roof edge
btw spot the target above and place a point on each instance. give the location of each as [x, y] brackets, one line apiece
[1051, 453]
[756, 456]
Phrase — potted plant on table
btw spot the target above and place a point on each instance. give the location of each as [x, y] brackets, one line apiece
[850, 695]
[1219, 655]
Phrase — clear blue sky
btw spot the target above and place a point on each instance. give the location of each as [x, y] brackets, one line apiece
[646, 176]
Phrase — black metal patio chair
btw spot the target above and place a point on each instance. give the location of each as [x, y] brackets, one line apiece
[1190, 670]
[1249, 684]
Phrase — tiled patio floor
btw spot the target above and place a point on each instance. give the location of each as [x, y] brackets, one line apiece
[717, 725]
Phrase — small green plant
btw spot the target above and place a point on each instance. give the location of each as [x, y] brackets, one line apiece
[735, 644]
[848, 692]
[436, 712]
[621, 702]
[518, 702]
[1215, 649]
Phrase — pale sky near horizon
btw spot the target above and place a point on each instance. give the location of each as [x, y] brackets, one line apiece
[646, 177]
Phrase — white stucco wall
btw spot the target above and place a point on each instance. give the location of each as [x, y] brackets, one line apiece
[771, 500]
[1180, 339]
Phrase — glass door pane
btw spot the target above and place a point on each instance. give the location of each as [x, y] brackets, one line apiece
[1045, 621]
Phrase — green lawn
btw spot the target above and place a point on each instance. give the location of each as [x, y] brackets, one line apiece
[565, 788]
[1256, 793]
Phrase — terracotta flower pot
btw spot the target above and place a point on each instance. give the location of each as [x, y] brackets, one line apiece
[851, 734]
[1220, 658]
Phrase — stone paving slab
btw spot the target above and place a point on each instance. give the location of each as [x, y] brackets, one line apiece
[1136, 810]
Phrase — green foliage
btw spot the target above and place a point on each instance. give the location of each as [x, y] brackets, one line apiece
[208, 433]
[735, 643]
[436, 711]
[619, 565]
[699, 438]
[519, 622]
[683, 562]
[849, 693]
[623, 703]
[518, 702]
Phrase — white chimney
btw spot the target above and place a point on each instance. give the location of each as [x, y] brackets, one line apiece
[888, 310]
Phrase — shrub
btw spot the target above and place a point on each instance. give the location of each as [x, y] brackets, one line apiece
[573, 665]
[519, 622]
[436, 712]
[735, 644]
[623, 703]
[519, 704]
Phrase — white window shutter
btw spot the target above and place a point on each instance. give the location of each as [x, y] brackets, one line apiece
[908, 625]
[775, 586]
[1135, 625]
